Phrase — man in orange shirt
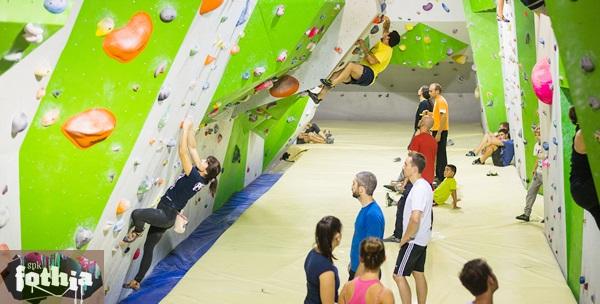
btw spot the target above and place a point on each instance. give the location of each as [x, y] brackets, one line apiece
[440, 128]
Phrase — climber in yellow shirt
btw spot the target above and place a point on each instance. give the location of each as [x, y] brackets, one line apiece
[374, 62]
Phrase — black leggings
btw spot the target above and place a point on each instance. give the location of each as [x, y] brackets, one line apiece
[584, 194]
[160, 219]
[441, 159]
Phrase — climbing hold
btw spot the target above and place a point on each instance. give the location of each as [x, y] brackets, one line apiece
[374, 29]
[246, 75]
[209, 5]
[41, 92]
[445, 7]
[265, 85]
[418, 38]
[258, 71]
[135, 87]
[546, 146]
[282, 56]
[449, 51]
[4, 215]
[409, 26]
[122, 206]
[280, 10]
[161, 68]
[427, 7]
[309, 47]
[244, 15]
[205, 86]
[490, 103]
[5, 189]
[16, 56]
[237, 155]
[234, 49]
[19, 124]
[220, 44]
[460, 59]
[338, 50]
[105, 26]
[311, 33]
[55, 6]
[129, 41]
[89, 127]
[290, 119]
[56, 93]
[527, 38]
[587, 64]
[3, 247]
[33, 33]
[541, 79]
[223, 19]
[136, 254]
[50, 117]
[454, 31]
[427, 40]
[285, 86]
[402, 47]
[168, 14]
[209, 59]
[41, 72]
[594, 103]
[144, 186]
[82, 237]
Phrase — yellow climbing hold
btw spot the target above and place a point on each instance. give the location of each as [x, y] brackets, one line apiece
[409, 26]
[460, 59]
[427, 40]
[105, 26]
[402, 47]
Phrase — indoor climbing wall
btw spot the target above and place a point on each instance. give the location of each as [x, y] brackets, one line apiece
[512, 88]
[483, 30]
[580, 54]
[545, 77]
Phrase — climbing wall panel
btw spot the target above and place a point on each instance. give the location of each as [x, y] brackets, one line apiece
[483, 32]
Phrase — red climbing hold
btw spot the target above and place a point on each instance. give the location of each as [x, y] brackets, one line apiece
[209, 5]
[284, 87]
[136, 254]
[89, 128]
[265, 85]
[126, 43]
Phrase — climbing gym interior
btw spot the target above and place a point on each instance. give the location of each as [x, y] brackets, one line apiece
[103, 102]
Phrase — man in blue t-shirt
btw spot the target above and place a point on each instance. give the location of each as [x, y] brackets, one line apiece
[500, 148]
[369, 221]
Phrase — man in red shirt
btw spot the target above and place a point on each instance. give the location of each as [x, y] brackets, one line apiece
[425, 144]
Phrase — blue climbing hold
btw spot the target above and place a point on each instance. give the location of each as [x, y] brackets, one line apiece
[246, 75]
[555, 141]
[55, 6]
[581, 279]
[445, 7]
[546, 146]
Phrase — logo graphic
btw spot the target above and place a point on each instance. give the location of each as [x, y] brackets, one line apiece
[35, 277]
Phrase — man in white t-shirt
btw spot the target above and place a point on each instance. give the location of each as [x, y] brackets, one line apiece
[537, 181]
[417, 231]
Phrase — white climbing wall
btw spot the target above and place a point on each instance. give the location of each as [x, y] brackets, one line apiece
[351, 23]
[254, 159]
[153, 164]
[19, 88]
[590, 290]
[550, 123]
[512, 87]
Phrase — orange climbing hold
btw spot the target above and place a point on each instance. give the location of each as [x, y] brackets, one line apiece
[126, 43]
[123, 206]
[209, 59]
[89, 128]
[209, 5]
[284, 87]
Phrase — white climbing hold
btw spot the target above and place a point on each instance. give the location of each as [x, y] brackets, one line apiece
[259, 71]
[19, 124]
[50, 117]
[41, 92]
[41, 72]
[16, 56]
[33, 33]
[162, 66]
[4, 215]
[280, 10]
[168, 14]
[82, 237]
[107, 227]
[194, 50]
[119, 225]
[164, 93]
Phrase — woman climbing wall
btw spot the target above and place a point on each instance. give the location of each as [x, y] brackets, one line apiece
[582, 183]
[197, 173]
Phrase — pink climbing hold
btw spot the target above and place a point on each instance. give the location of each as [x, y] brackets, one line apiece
[312, 32]
[541, 79]
[265, 85]
[3, 247]
[136, 254]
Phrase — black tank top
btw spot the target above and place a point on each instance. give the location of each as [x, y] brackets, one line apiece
[580, 167]
[185, 188]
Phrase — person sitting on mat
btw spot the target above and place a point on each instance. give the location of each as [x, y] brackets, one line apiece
[312, 135]
[581, 180]
[197, 173]
[322, 280]
[477, 277]
[367, 288]
[374, 62]
[500, 148]
[486, 139]
[446, 188]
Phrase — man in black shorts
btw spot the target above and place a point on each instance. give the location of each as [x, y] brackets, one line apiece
[416, 223]
[364, 73]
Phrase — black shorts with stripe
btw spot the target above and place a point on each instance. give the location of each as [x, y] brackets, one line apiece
[410, 258]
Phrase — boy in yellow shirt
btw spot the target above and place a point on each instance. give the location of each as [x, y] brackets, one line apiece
[447, 188]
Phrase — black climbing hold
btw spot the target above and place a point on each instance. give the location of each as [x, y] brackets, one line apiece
[527, 38]
[374, 29]
[237, 155]
[587, 65]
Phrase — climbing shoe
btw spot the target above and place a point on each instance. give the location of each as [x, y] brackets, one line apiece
[470, 153]
[327, 83]
[523, 217]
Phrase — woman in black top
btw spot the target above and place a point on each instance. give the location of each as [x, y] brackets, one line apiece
[583, 189]
[424, 104]
[322, 280]
[197, 173]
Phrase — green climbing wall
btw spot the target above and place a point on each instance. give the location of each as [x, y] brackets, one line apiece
[425, 47]
[526, 52]
[478, 6]
[286, 115]
[573, 213]
[13, 18]
[60, 181]
[483, 31]
[234, 164]
[266, 36]
[575, 24]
